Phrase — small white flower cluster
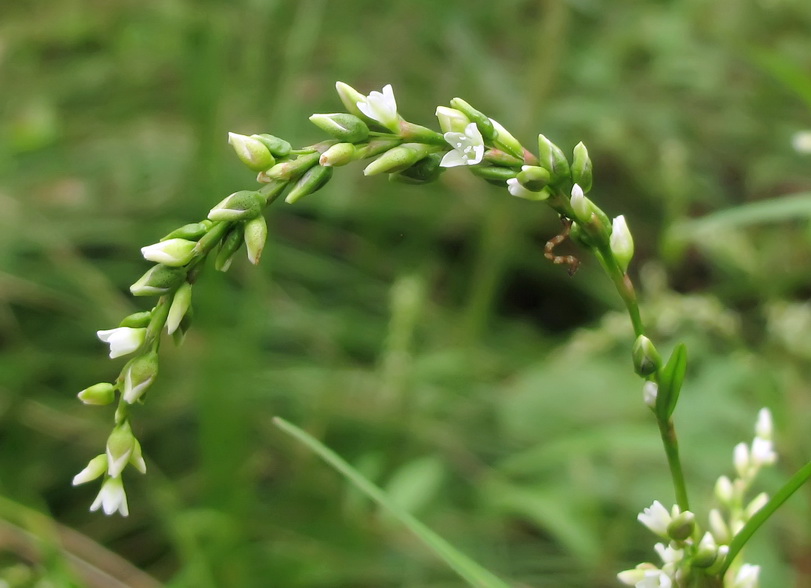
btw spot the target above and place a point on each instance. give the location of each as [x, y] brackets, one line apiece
[684, 555]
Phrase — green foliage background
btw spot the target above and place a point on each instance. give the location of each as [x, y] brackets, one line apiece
[419, 332]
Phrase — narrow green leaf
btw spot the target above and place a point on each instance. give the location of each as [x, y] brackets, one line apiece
[670, 382]
[469, 570]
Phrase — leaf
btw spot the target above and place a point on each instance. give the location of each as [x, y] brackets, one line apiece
[469, 570]
[671, 379]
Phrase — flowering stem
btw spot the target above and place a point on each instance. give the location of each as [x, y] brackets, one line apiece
[761, 516]
[671, 445]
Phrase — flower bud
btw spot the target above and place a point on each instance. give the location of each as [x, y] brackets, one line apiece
[313, 180]
[682, 526]
[337, 155]
[349, 97]
[112, 497]
[241, 205]
[496, 173]
[425, 170]
[397, 159]
[272, 188]
[451, 120]
[251, 152]
[516, 189]
[741, 460]
[533, 178]
[256, 233]
[581, 205]
[181, 301]
[552, 159]
[581, 167]
[191, 231]
[622, 243]
[137, 456]
[506, 142]
[278, 147]
[98, 394]
[646, 359]
[413, 133]
[95, 468]
[484, 124]
[136, 319]
[172, 252]
[764, 427]
[724, 490]
[707, 552]
[501, 158]
[160, 279]
[650, 392]
[228, 248]
[291, 169]
[375, 147]
[138, 376]
[119, 449]
[344, 127]
[719, 528]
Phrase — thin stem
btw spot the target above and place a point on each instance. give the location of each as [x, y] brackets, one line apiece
[671, 445]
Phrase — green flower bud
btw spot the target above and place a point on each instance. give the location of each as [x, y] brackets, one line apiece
[501, 158]
[251, 152]
[398, 159]
[119, 449]
[278, 147]
[228, 248]
[337, 155]
[451, 120]
[313, 180]
[136, 320]
[682, 526]
[172, 252]
[192, 231]
[350, 97]
[292, 169]
[160, 279]
[138, 376]
[581, 167]
[707, 552]
[533, 178]
[506, 142]
[425, 170]
[622, 243]
[344, 127]
[241, 205]
[494, 173]
[375, 147]
[185, 324]
[94, 469]
[553, 160]
[181, 301]
[647, 360]
[272, 189]
[256, 233]
[98, 394]
[420, 134]
[484, 124]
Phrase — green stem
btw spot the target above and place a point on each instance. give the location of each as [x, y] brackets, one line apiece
[761, 516]
[671, 445]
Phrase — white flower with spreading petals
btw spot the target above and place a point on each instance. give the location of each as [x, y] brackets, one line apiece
[645, 576]
[381, 107]
[656, 518]
[111, 498]
[468, 147]
[122, 340]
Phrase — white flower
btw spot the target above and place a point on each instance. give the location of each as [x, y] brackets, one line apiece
[669, 554]
[621, 242]
[649, 393]
[762, 452]
[656, 518]
[122, 340]
[468, 147]
[139, 375]
[747, 577]
[381, 107]
[111, 498]
[643, 575]
[94, 469]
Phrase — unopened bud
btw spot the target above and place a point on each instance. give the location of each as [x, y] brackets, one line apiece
[552, 159]
[707, 552]
[494, 173]
[397, 159]
[451, 120]
[251, 152]
[506, 142]
[682, 526]
[515, 188]
[313, 180]
[350, 97]
[581, 167]
[136, 320]
[650, 391]
[344, 127]
[181, 302]
[292, 169]
[337, 155]
[256, 233]
[138, 376]
[191, 231]
[172, 252]
[98, 394]
[242, 205]
[119, 449]
[228, 248]
[424, 171]
[278, 147]
[94, 469]
[622, 243]
[533, 178]
[160, 279]
[484, 124]
[646, 359]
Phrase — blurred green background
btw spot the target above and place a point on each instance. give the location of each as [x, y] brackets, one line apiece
[419, 332]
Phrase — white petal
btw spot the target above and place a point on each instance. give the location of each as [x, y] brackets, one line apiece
[452, 159]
